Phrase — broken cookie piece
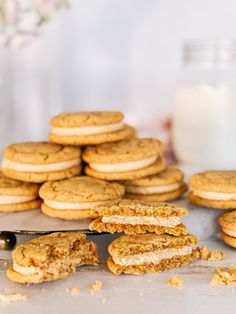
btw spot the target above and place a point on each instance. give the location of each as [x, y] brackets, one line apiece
[51, 257]
[211, 256]
[176, 281]
[224, 276]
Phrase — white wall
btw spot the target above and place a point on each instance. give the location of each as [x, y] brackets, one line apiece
[105, 54]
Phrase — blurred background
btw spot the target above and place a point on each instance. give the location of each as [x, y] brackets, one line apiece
[100, 55]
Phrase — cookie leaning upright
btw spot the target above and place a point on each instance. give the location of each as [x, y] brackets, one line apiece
[41, 161]
[228, 224]
[51, 257]
[17, 196]
[151, 253]
[73, 198]
[125, 160]
[89, 128]
[164, 186]
[214, 189]
[139, 217]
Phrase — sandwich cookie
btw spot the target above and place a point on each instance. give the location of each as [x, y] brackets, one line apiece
[228, 224]
[89, 128]
[215, 189]
[139, 217]
[165, 186]
[73, 198]
[41, 161]
[17, 196]
[148, 253]
[51, 257]
[125, 160]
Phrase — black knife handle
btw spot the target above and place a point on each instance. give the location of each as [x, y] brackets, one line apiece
[7, 240]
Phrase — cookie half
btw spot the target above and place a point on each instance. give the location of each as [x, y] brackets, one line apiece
[125, 160]
[73, 198]
[139, 254]
[165, 186]
[215, 189]
[51, 257]
[17, 196]
[41, 161]
[227, 222]
[139, 217]
[89, 128]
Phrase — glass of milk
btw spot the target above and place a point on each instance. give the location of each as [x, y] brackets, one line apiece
[204, 118]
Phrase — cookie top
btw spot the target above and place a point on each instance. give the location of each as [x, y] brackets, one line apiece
[228, 220]
[136, 244]
[170, 175]
[81, 189]
[80, 119]
[127, 207]
[40, 152]
[123, 151]
[45, 248]
[16, 188]
[214, 181]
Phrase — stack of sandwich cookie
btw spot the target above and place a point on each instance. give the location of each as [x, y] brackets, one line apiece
[51, 257]
[215, 189]
[17, 196]
[73, 198]
[139, 217]
[89, 128]
[228, 224]
[41, 161]
[151, 253]
[165, 186]
[125, 160]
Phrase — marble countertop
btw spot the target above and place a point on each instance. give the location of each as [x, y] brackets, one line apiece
[125, 293]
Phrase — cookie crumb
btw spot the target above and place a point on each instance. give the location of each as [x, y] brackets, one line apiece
[74, 290]
[96, 286]
[13, 297]
[176, 281]
[104, 300]
[211, 256]
[224, 276]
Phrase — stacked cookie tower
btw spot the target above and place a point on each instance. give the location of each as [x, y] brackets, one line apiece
[111, 152]
[155, 238]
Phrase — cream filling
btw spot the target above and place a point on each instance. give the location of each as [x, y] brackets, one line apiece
[142, 220]
[151, 189]
[10, 199]
[74, 206]
[152, 257]
[124, 166]
[231, 233]
[27, 270]
[215, 195]
[40, 168]
[88, 130]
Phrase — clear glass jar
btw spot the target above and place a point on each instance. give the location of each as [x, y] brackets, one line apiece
[204, 118]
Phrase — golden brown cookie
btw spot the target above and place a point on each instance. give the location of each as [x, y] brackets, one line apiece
[139, 254]
[138, 217]
[227, 222]
[17, 196]
[89, 128]
[41, 161]
[51, 257]
[165, 186]
[125, 160]
[215, 189]
[73, 198]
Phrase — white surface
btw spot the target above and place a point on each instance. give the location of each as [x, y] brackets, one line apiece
[127, 294]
